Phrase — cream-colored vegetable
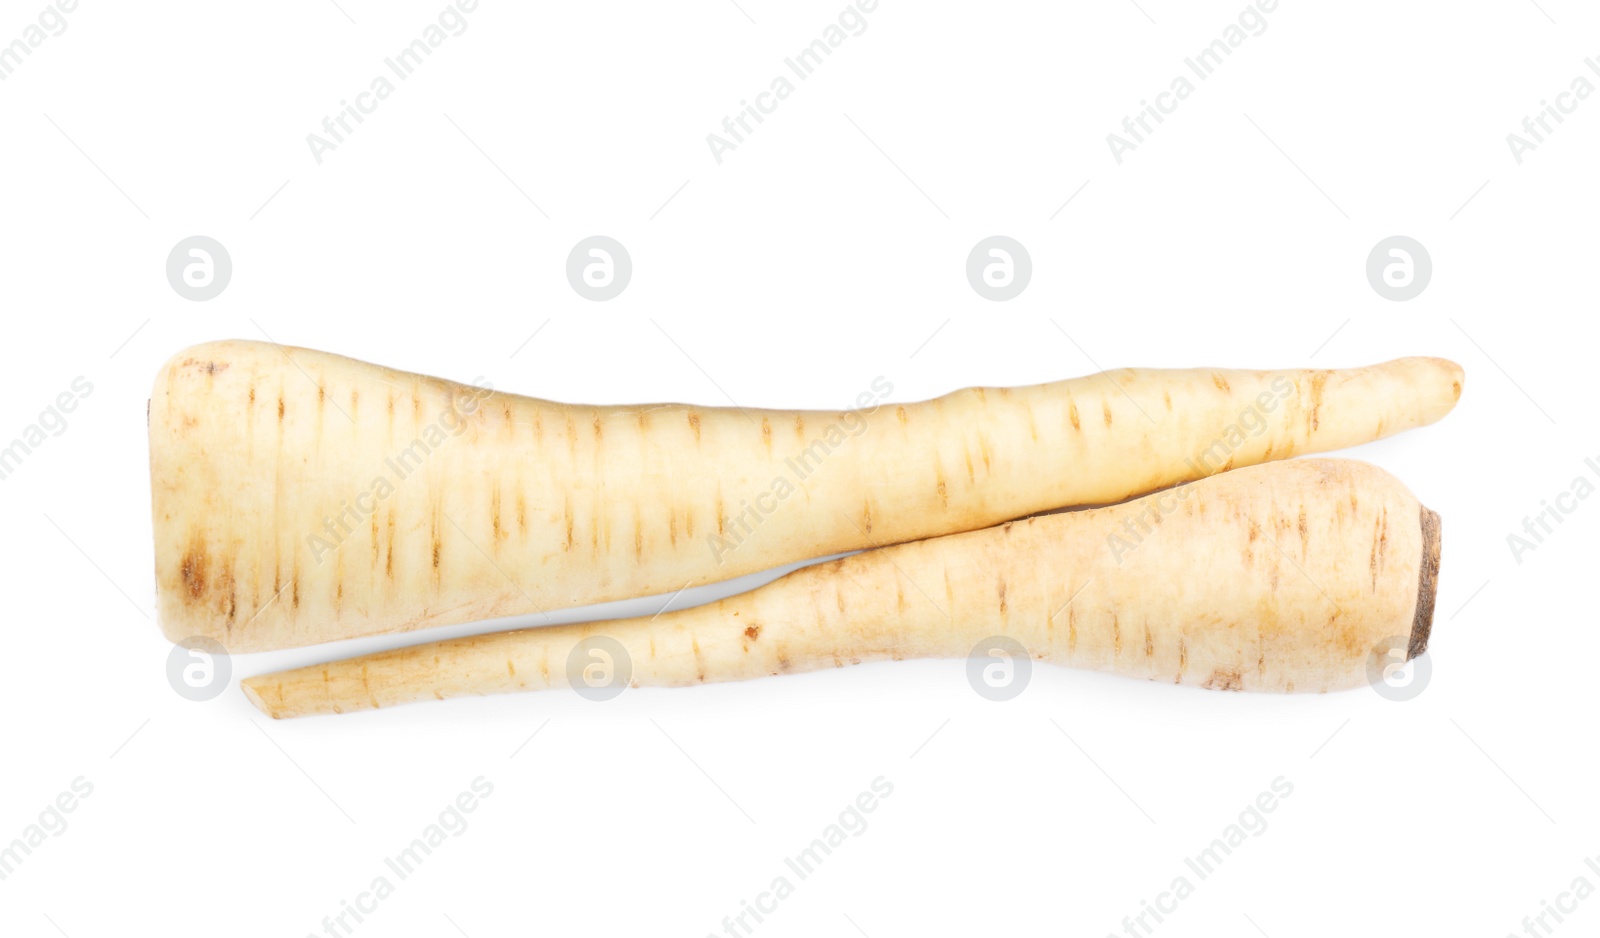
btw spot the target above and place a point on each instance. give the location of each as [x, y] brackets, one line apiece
[1288, 577]
[301, 497]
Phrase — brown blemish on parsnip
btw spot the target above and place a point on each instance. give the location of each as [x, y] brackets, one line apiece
[1105, 410]
[1372, 559]
[388, 561]
[1223, 679]
[1220, 382]
[694, 424]
[1318, 382]
[752, 632]
[1072, 411]
[193, 571]
[1347, 636]
[1383, 536]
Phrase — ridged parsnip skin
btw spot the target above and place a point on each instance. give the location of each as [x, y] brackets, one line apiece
[264, 458]
[1283, 577]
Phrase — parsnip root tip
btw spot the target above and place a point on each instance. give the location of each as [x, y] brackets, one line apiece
[1427, 585]
[254, 696]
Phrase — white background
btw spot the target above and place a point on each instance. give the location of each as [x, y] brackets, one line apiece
[824, 251]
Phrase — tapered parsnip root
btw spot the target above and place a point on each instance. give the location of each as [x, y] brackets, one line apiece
[1284, 577]
[301, 497]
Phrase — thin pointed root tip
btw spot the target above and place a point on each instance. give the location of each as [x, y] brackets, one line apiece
[254, 696]
[1427, 585]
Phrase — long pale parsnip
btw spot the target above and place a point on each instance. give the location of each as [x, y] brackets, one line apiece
[301, 497]
[1285, 577]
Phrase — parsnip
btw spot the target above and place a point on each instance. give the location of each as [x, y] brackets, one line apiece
[1285, 577]
[301, 497]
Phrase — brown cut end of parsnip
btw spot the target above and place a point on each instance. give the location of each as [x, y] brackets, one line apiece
[1427, 585]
